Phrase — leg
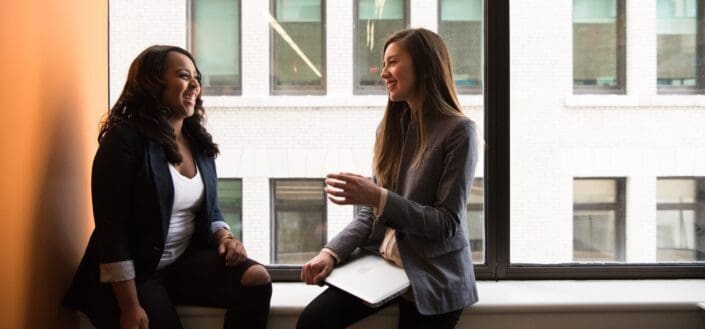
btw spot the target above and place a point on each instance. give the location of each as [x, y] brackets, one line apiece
[104, 313]
[335, 308]
[410, 318]
[200, 277]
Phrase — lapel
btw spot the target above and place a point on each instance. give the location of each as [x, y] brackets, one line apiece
[163, 184]
[206, 174]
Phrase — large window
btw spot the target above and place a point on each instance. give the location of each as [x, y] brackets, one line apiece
[299, 213]
[460, 25]
[230, 200]
[680, 40]
[598, 220]
[215, 43]
[298, 48]
[681, 219]
[374, 22]
[598, 46]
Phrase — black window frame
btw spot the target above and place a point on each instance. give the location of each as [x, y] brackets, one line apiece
[497, 184]
[697, 206]
[238, 209]
[297, 90]
[699, 87]
[211, 91]
[621, 87]
[619, 208]
[357, 88]
[286, 272]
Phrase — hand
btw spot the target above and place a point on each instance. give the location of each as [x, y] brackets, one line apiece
[233, 250]
[347, 188]
[134, 318]
[317, 269]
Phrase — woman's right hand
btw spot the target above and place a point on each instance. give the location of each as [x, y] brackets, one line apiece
[134, 318]
[317, 269]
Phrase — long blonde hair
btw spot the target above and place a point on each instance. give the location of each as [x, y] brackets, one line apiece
[434, 86]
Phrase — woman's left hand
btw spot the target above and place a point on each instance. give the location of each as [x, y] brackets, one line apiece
[233, 251]
[347, 188]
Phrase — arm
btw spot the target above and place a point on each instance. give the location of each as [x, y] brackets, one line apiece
[442, 219]
[132, 315]
[112, 182]
[353, 235]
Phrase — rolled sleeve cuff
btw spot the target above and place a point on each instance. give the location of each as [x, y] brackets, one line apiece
[332, 253]
[382, 203]
[118, 271]
[217, 226]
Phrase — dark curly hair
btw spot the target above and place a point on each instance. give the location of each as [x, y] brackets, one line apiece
[140, 105]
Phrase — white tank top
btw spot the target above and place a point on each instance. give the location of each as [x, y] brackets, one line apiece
[188, 197]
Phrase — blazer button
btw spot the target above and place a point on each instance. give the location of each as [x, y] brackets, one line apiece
[156, 249]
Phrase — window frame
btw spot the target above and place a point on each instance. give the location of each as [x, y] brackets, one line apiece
[699, 87]
[696, 206]
[462, 90]
[210, 91]
[273, 219]
[297, 90]
[357, 88]
[621, 87]
[242, 194]
[619, 208]
[497, 184]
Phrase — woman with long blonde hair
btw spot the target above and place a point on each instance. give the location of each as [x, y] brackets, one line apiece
[414, 212]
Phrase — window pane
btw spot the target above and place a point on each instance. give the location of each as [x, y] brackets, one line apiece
[677, 41]
[375, 22]
[680, 219]
[594, 190]
[300, 220]
[298, 47]
[215, 34]
[595, 39]
[461, 28]
[676, 190]
[230, 200]
[476, 221]
[597, 220]
[594, 236]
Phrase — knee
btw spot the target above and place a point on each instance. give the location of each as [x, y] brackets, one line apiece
[256, 275]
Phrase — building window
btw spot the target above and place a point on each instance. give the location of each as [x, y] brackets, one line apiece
[460, 25]
[598, 219]
[374, 22]
[215, 44]
[681, 43]
[476, 221]
[298, 47]
[680, 219]
[230, 200]
[300, 224]
[598, 46]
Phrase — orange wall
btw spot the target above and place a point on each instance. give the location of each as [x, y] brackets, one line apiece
[53, 91]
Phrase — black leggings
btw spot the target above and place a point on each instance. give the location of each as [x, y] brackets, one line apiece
[199, 277]
[336, 309]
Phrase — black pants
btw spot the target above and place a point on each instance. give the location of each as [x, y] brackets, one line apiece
[335, 308]
[199, 277]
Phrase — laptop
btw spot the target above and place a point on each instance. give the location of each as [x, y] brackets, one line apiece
[371, 278]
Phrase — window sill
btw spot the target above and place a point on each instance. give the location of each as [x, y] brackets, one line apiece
[630, 101]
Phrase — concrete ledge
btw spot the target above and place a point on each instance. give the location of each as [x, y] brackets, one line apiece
[519, 304]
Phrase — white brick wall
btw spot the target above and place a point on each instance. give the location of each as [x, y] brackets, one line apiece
[555, 135]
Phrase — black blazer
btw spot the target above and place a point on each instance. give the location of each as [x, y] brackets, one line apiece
[133, 194]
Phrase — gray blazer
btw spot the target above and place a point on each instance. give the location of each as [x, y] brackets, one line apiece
[428, 211]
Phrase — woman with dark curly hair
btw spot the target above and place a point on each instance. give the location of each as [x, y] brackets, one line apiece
[159, 238]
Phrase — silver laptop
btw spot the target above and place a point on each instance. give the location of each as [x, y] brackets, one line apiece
[371, 278]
